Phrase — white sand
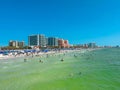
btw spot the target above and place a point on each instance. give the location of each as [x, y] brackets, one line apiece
[49, 53]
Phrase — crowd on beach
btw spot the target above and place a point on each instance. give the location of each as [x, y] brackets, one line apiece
[35, 53]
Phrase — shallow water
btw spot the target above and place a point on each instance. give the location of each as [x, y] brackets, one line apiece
[95, 70]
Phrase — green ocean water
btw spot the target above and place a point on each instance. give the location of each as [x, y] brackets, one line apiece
[95, 70]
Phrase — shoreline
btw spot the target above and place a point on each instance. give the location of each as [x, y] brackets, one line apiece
[7, 57]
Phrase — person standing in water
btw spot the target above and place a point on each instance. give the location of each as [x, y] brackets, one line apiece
[25, 60]
[62, 59]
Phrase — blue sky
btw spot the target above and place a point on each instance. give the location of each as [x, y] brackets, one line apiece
[79, 21]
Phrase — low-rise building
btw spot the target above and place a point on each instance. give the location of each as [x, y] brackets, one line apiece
[17, 44]
[63, 43]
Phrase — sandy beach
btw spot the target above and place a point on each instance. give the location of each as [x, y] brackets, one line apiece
[42, 53]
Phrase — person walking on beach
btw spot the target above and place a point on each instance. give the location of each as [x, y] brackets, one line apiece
[32, 54]
[47, 55]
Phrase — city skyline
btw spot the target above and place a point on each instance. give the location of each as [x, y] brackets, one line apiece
[42, 41]
[77, 21]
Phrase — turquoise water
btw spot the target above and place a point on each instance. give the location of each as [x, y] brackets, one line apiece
[95, 70]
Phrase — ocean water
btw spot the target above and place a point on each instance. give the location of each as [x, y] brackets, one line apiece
[94, 70]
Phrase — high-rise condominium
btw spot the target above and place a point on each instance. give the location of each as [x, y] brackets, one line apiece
[37, 40]
[52, 41]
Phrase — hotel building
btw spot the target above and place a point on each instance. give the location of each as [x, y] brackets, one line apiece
[63, 43]
[16, 43]
[91, 45]
[37, 40]
[52, 41]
